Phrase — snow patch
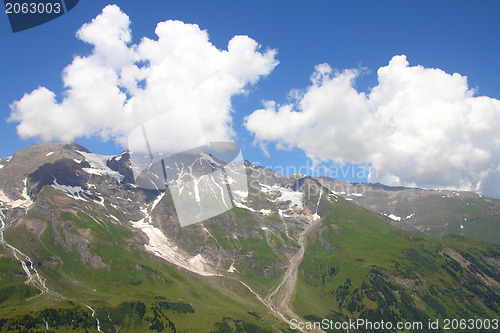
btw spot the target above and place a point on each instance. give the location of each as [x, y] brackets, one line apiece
[198, 262]
[114, 218]
[315, 215]
[157, 200]
[297, 175]
[338, 193]
[240, 205]
[71, 191]
[281, 214]
[95, 220]
[230, 180]
[294, 197]
[13, 203]
[25, 202]
[330, 197]
[160, 246]
[119, 157]
[232, 269]
[48, 154]
[101, 200]
[98, 166]
[409, 216]
[265, 212]
[393, 217]
[243, 194]
[268, 189]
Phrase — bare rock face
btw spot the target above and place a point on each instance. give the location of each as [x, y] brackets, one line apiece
[59, 185]
[25, 162]
[41, 184]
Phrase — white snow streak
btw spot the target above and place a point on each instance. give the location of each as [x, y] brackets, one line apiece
[98, 166]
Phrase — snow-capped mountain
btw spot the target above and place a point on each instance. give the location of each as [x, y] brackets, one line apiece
[96, 230]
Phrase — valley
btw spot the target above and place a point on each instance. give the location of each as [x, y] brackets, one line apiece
[86, 249]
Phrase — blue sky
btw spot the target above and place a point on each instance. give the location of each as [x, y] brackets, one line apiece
[360, 36]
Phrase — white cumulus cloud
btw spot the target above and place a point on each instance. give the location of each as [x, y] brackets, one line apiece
[119, 85]
[417, 126]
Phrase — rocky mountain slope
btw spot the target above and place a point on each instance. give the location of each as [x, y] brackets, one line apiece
[86, 247]
[434, 212]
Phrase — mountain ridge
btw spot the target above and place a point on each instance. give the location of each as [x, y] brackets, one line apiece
[79, 221]
[406, 206]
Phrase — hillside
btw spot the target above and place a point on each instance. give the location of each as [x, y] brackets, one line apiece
[84, 248]
[434, 212]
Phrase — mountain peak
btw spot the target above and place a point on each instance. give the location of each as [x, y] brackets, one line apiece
[297, 175]
[69, 214]
[28, 170]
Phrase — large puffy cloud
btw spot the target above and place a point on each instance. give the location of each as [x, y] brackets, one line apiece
[119, 85]
[418, 126]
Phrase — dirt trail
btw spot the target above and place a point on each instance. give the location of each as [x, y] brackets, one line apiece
[280, 306]
[283, 292]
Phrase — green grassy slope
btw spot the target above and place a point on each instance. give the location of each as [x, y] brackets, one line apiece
[443, 215]
[357, 266]
[131, 291]
[440, 213]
